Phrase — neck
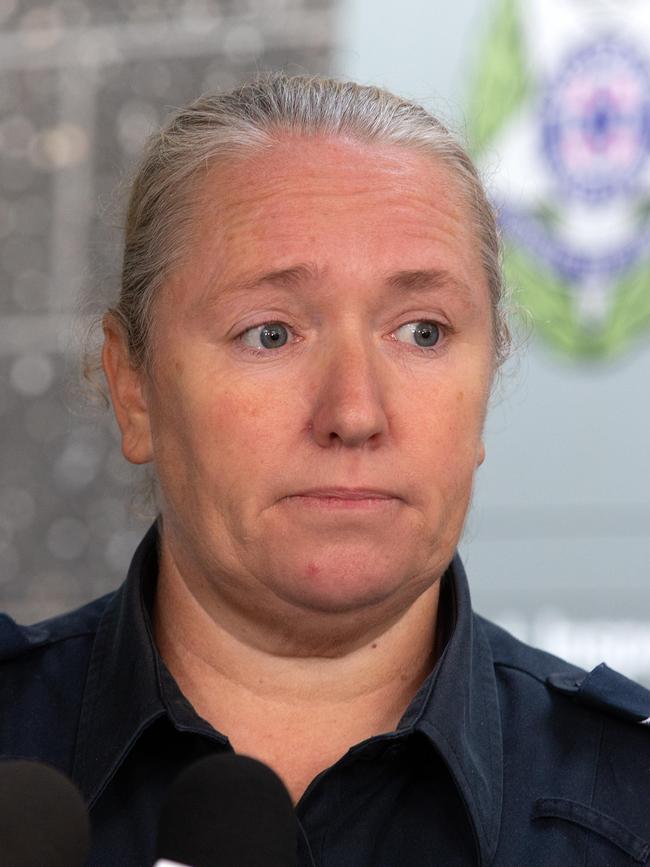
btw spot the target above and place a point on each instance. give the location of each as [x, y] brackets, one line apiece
[359, 657]
[238, 680]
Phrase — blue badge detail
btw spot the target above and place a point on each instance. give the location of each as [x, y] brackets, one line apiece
[577, 268]
[596, 121]
[608, 690]
[569, 118]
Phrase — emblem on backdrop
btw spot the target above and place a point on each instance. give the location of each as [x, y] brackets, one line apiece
[559, 120]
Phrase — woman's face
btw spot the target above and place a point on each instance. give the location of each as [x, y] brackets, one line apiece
[332, 331]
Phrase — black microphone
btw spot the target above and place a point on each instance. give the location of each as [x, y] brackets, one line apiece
[227, 811]
[43, 820]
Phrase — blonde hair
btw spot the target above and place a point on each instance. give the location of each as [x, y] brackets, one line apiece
[254, 116]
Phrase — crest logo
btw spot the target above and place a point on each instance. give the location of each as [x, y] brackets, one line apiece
[562, 98]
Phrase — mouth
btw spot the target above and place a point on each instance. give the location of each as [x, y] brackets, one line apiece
[344, 498]
[341, 493]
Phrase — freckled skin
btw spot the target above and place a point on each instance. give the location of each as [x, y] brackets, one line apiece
[233, 436]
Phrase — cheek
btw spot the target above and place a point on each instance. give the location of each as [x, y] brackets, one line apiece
[241, 431]
[444, 439]
[449, 420]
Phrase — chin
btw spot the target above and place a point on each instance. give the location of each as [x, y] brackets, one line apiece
[338, 585]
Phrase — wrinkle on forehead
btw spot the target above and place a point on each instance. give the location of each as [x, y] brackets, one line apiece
[302, 277]
[259, 202]
[320, 166]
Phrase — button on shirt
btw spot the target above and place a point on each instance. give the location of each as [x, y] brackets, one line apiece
[489, 765]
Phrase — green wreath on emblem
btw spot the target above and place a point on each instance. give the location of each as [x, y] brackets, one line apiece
[502, 82]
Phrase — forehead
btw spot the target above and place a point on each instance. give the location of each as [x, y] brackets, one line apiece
[348, 207]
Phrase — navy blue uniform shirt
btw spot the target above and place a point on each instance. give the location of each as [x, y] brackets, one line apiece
[506, 756]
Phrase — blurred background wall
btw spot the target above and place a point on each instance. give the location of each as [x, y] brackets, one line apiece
[552, 96]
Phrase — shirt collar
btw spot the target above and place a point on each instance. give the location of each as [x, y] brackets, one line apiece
[128, 687]
[457, 710]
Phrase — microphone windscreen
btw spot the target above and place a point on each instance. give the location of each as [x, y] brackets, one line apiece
[43, 819]
[228, 810]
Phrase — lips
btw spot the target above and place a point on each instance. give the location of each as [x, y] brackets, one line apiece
[341, 493]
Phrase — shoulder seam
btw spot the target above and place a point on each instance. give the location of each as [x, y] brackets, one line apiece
[24, 651]
[79, 634]
[521, 670]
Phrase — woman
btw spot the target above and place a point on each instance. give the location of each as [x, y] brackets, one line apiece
[310, 321]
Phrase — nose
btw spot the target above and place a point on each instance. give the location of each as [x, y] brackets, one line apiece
[349, 407]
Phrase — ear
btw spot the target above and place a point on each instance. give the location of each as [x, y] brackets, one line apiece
[126, 385]
[481, 454]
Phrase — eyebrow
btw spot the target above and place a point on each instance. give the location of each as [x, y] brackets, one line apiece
[293, 277]
[413, 281]
[430, 279]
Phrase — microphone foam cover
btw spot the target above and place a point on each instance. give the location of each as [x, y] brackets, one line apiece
[228, 810]
[43, 819]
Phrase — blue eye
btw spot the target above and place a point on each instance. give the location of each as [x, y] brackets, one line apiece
[424, 334]
[271, 335]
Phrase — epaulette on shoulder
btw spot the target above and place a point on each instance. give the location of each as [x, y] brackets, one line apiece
[15, 639]
[602, 688]
[607, 690]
